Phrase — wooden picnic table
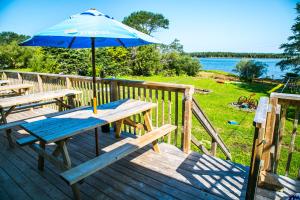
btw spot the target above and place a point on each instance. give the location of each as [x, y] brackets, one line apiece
[10, 104]
[60, 128]
[15, 89]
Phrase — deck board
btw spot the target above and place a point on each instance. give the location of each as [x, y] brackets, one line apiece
[141, 175]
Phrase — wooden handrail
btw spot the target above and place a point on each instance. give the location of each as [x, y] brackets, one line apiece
[269, 125]
[167, 95]
[209, 128]
[147, 84]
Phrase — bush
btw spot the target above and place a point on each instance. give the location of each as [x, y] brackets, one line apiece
[249, 69]
[14, 56]
[180, 64]
[145, 60]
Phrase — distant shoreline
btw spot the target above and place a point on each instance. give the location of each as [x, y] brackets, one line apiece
[236, 55]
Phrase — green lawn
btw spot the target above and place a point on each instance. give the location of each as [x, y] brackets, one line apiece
[238, 138]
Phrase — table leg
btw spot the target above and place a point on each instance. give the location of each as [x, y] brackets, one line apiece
[60, 106]
[149, 127]
[119, 128]
[65, 154]
[71, 101]
[41, 160]
[96, 142]
[8, 131]
[26, 90]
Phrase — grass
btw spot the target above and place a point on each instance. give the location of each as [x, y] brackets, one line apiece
[238, 138]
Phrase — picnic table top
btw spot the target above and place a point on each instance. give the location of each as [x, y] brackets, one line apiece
[64, 126]
[15, 86]
[36, 97]
[4, 82]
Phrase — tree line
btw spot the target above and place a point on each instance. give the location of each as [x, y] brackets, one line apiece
[147, 60]
[235, 55]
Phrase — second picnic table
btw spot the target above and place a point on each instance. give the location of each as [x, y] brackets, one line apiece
[60, 128]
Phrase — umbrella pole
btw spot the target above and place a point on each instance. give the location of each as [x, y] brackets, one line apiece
[94, 94]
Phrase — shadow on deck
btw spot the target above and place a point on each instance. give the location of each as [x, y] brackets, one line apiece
[141, 175]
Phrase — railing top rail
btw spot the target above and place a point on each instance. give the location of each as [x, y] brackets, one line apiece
[284, 96]
[158, 85]
[261, 112]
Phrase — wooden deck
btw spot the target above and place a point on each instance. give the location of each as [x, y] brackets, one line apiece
[141, 175]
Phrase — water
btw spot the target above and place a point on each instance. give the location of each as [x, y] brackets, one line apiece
[228, 64]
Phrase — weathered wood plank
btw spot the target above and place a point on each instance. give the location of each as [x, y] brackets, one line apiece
[36, 97]
[15, 87]
[216, 139]
[86, 169]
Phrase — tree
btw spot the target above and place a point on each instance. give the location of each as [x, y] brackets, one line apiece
[146, 22]
[177, 64]
[43, 62]
[145, 61]
[113, 61]
[249, 69]
[8, 37]
[70, 61]
[174, 46]
[292, 47]
[14, 56]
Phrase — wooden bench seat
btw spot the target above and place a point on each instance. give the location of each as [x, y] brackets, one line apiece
[26, 140]
[117, 151]
[15, 87]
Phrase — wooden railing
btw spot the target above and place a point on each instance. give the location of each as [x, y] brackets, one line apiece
[260, 121]
[269, 122]
[280, 104]
[174, 100]
[175, 103]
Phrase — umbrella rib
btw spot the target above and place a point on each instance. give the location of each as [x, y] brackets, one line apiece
[118, 39]
[72, 41]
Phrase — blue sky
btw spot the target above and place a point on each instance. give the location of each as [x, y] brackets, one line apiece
[200, 25]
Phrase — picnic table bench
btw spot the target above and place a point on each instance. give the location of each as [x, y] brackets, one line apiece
[60, 128]
[10, 104]
[15, 89]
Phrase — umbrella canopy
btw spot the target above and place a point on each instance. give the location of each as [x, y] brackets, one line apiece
[90, 29]
[77, 31]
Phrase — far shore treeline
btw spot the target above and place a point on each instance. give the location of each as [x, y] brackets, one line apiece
[235, 55]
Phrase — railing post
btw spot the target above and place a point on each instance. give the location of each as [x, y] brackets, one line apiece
[4, 76]
[292, 143]
[68, 83]
[270, 125]
[20, 77]
[257, 146]
[114, 95]
[214, 146]
[279, 136]
[187, 126]
[40, 83]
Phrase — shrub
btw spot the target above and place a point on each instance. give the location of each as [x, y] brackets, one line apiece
[249, 69]
[180, 64]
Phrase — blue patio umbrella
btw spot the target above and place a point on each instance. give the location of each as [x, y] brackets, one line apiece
[90, 29]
